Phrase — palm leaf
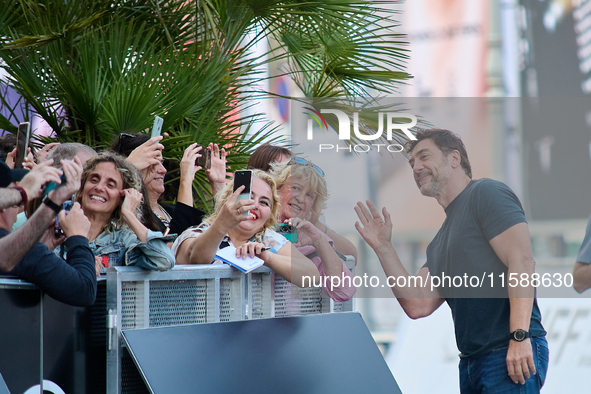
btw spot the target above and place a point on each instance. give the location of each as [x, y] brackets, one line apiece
[95, 69]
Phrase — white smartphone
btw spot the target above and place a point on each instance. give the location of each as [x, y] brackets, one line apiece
[157, 128]
[243, 178]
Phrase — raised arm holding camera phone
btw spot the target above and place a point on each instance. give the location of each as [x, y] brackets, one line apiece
[245, 223]
[146, 154]
[72, 282]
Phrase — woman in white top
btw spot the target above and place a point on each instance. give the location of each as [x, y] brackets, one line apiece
[251, 234]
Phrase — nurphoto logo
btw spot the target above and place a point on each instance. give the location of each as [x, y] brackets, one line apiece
[393, 121]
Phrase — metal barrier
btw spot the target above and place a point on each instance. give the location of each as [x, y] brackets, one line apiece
[137, 299]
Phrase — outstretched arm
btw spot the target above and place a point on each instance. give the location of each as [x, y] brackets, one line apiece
[341, 244]
[188, 171]
[417, 301]
[291, 265]
[217, 173]
[16, 245]
[202, 249]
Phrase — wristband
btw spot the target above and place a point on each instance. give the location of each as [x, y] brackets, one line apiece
[47, 201]
[24, 198]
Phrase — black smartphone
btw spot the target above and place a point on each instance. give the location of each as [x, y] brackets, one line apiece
[290, 233]
[243, 178]
[57, 230]
[22, 143]
[157, 127]
[205, 160]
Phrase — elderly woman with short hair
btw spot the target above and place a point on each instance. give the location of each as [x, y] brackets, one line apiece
[302, 196]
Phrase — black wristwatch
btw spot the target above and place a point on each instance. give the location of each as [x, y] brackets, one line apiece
[519, 335]
[47, 201]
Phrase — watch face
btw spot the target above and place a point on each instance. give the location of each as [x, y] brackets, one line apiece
[519, 335]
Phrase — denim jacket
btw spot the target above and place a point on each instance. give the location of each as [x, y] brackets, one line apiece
[122, 247]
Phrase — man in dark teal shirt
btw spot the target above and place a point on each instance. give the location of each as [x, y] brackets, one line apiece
[485, 235]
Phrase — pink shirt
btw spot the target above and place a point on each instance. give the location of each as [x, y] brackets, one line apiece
[346, 288]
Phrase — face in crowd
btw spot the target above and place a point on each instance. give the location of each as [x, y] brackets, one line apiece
[262, 195]
[296, 199]
[430, 166]
[102, 192]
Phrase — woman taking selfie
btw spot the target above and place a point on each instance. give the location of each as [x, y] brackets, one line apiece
[251, 234]
[110, 197]
[146, 154]
[302, 195]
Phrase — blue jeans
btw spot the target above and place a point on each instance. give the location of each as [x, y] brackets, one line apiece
[488, 374]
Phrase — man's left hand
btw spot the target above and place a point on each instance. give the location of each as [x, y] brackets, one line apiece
[49, 239]
[520, 360]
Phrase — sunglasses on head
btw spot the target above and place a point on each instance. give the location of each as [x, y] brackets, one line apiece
[305, 162]
[121, 137]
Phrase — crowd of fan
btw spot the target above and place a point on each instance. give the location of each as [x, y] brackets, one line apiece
[72, 213]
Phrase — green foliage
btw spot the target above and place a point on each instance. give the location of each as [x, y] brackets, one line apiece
[95, 69]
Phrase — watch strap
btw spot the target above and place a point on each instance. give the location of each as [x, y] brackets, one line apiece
[56, 208]
[517, 333]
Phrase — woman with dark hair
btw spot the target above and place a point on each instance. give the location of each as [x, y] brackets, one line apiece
[146, 154]
[266, 154]
[111, 199]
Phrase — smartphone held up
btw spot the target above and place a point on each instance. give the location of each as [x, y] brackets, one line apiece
[157, 127]
[22, 143]
[243, 178]
[205, 160]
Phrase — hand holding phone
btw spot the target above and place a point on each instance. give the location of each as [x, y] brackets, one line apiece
[74, 222]
[243, 178]
[157, 127]
[205, 160]
[57, 230]
[22, 143]
[52, 185]
[289, 232]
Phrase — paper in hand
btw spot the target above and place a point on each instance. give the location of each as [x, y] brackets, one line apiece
[228, 255]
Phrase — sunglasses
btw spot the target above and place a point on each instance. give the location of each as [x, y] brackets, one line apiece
[121, 137]
[305, 162]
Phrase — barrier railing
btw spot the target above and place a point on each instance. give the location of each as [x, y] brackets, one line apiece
[137, 299]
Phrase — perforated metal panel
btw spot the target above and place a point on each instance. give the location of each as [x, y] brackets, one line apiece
[225, 299]
[98, 331]
[130, 305]
[190, 295]
[291, 300]
[131, 380]
[256, 297]
[178, 302]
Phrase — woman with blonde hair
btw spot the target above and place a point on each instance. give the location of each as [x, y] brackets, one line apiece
[302, 197]
[251, 234]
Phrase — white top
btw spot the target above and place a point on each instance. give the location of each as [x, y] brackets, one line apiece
[272, 240]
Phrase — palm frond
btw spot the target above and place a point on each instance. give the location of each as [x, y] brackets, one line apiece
[95, 69]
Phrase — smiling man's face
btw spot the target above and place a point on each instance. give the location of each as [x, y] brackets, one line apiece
[431, 168]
